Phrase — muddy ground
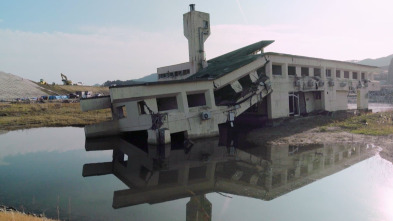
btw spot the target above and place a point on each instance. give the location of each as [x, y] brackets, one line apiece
[307, 130]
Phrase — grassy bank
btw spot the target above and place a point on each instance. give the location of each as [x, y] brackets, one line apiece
[23, 116]
[377, 124]
[20, 217]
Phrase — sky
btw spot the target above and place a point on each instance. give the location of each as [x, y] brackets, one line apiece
[92, 41]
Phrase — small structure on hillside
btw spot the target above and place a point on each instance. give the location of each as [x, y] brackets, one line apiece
[201, 97]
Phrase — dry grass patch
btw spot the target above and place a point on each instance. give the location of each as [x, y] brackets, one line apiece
[22, 116]
[11, 216]
[370, 124]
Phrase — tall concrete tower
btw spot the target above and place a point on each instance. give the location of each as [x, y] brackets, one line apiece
[197, 30]
[390, 73]
[199, 208]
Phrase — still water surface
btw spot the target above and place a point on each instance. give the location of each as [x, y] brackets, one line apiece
[41, 169]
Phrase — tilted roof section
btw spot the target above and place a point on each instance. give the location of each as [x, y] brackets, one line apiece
[231, 61]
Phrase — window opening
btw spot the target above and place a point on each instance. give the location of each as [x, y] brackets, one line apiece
[277, 70]
[166, 103]
[354, 75]
[293, 104]
[121, 112]
[317, 95]
[346, 74]
[292, 70]
[141, 106]
[196, 100]
[304, 71]
[328, 73]
[317, 72]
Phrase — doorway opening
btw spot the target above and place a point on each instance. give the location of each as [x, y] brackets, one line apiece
[294, 106]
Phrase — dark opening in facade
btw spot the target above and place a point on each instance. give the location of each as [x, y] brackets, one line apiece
[317, 72]
[363, 75]
[143, 172]
[178, 140]
[293, 104]
[196, 100]
[354, 75]
[196, 173]
[346, 74]
[277, 70]
[276, 179]
[225, 95]
[291, 70]
[167, 103]
[328, 73]
[305, 71]
[245, 81]
[338, 74]
[141, 107]
[168, 177]
[137, 138]
[186, 71]
[317, 95]
[121, 112]
[121, 157]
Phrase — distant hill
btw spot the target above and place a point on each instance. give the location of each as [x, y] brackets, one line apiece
[148, 78]
[379, 62]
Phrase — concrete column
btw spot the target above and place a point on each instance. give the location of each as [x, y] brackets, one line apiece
[183, 174]
[210, 171]
[269, 71]
[285, 70]
[297, 172]
[210, 101]
[310, 167]
[323, 74]
[340, 156]
[362, 98]
[182, 102]
[284, 177]
[334, 73]
[298, 71]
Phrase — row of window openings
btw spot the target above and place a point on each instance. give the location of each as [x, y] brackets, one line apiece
[277, 70]
[166, 103]
[174, 74]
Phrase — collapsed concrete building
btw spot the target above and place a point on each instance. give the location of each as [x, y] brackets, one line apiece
[198, 98]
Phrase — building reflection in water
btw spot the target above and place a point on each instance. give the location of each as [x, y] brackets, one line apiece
[159, 174]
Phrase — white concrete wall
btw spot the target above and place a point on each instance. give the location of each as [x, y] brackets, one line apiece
[341, 100]
[172, 69]
[331, 99]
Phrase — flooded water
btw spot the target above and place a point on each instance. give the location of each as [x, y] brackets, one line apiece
[41, 171]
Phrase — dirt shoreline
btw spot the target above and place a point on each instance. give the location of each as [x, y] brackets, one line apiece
[316, 130]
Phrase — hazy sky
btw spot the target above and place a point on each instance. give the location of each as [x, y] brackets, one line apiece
[95, 40]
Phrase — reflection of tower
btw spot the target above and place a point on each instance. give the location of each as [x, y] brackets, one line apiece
[199, 208]
[196, 30]
[390, 73]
